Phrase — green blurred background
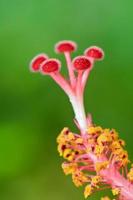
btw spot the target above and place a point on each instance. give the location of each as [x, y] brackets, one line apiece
[34, 110]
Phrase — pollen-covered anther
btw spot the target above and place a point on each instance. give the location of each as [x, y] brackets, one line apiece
[88, 191]
[95, 180]
[115, 191]
[101, 165]
[99, 150]
[94, 52]
[130, 175]
[37, 61]
[94, 130]
[79, 178]
[69, 168]
[65, 46]
[50, 66]
[82, 63]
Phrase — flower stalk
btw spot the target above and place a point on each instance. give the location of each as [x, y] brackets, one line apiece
[96, 157]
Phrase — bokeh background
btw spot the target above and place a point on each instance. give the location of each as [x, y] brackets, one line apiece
[33, 109]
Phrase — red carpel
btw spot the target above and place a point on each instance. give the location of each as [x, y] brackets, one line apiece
[50, 65]
[82, 63]
[37, 61]
[94, 52]
[65, 46]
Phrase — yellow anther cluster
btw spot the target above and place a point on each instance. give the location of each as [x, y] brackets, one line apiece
[99, 150]
[103, 144]
[69, 168]
[94, 129]
[68, 144]
[79, 140]
[101, 165]
[114, 134]
[121, 142]
[95, 181]
[115, 191]
[130, 174]
[61, 138]
[88, 191]
[115, 146]
[68, 154]
[79, 178]
[105, 137]
[120, 155]
[106, 140]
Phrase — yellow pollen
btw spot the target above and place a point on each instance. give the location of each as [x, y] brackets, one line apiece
[61, 138]
[122, 157]
[71, 157]
[100, 142]
[98, 129]
[99, 149]
[79, 178]
[101, 165]
[60, 149]
[104, 138]
[79, 140]
[88, 191]
[95, 180]
[114, 135]
[69, 168]
[70, 136]
[95, 130]
[130, 175]
[115, 146]
[121, 142]
[106, 130]
[66, 152]
[118, 152]
[91, 130]
[115, 191]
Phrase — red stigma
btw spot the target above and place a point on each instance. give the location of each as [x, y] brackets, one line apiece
[50, 65]
[37, 61]
[65, 46]
[82, 63]
[94, 52]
